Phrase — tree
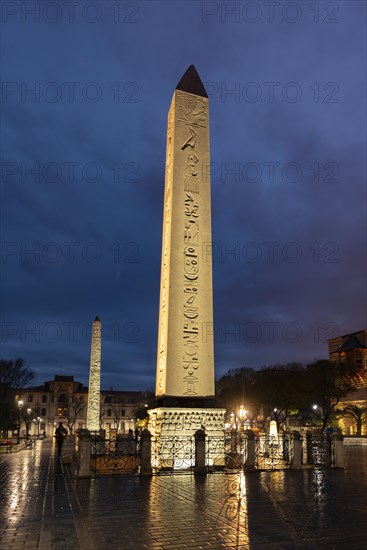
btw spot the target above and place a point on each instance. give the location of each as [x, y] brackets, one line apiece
[74, 411]
[118, 413]
[236, 390]
[14, 376]
[141, 413]
[358, 414]
[279, 388]
[326, 383]
[27, 417]
[37, 411]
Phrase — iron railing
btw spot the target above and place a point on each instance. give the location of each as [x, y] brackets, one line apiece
[228, 451]
[320, 450]
[115, 456]
[173, 453]
[273, 452]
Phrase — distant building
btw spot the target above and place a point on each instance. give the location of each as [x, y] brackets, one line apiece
[65, 400]
[352, 349]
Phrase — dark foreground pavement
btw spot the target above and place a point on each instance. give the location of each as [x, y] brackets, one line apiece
[44, 506]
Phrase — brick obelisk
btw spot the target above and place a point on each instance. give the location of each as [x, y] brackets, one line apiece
[185, 355]
[94, 388]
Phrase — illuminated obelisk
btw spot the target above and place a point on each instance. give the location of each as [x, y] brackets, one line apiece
[94, 389]
[185, 387]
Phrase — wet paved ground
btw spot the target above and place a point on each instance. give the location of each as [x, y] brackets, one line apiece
[44, 506]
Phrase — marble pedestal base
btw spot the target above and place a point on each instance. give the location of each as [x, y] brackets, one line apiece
[173, 442]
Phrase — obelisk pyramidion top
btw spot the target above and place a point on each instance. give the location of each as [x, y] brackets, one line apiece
[191, 83]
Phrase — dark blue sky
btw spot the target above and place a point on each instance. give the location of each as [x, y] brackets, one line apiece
[86, 89]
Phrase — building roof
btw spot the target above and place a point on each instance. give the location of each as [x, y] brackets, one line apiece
[352, 342]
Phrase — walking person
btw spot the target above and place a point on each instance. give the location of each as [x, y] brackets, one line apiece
[60, 434]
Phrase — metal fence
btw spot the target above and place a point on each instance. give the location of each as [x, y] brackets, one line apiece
[173, 453]
[273, 452]
[228, 452]
[320, 450]
[114, 456]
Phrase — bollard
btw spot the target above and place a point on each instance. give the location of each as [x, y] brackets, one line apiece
[146, 452]
[200, 467]
[296, 462]
[338, 451]
[309, 455]
[84, 454]
[250, 460]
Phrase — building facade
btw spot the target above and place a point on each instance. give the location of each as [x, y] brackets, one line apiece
[65, 400]
[352, 349]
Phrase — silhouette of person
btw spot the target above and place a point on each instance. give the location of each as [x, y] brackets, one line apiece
[60, 434]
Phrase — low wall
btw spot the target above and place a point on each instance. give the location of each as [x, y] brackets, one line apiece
[355, 453]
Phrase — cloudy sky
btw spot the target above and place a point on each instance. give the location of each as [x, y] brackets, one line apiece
[86, 87]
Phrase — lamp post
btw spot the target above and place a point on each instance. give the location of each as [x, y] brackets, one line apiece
[20, 405]
[318, 412]
[28, 421]
[243, 414]
[38, 420]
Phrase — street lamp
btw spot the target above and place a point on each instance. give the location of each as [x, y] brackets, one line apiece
[243, 413]
[27, 424]
[38, 420]
[20, 405]
[233, 420]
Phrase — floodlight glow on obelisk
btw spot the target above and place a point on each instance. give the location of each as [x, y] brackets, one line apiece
[94, 389]
[185, 356]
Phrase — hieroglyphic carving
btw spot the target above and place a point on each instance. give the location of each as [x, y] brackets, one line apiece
[192, 109]
[162, 358]
[190, 306]
[191, 291]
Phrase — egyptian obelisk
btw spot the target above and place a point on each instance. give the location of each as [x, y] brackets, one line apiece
[185, 355]
[94, 388]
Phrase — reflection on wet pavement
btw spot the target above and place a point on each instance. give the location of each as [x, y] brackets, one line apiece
[44, 506]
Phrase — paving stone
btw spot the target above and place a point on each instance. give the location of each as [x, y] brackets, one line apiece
[45, 507]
